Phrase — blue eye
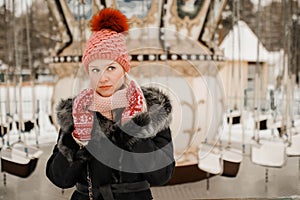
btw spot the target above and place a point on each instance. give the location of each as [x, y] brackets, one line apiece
[95, 70]
[111, 68]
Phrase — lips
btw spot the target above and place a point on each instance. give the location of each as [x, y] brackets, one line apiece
[105, 87]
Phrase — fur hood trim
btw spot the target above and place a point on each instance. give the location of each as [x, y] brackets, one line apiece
[157, 117]
[64, 115]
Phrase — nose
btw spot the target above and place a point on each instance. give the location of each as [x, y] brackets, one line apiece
[103, 78]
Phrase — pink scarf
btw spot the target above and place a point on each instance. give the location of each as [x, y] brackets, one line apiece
[105, 105]
[131, 98]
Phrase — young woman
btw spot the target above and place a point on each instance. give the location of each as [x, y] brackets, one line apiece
[114, 140]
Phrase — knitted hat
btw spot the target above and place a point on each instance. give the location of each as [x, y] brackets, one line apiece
[107, 40]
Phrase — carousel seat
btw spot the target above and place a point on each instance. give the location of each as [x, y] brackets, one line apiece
[269, 154]
[211, 163]
[186, 169]
[28, 125]
[3, 130]
[19, 160]
[231, 162]
[261, 124]
[236, 117]
[294, 149]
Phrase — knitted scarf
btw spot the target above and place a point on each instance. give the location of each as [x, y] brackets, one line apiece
[105, 105]
[131, 98]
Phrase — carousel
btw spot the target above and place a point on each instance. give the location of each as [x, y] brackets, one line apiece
[175, 46]
[172, 45]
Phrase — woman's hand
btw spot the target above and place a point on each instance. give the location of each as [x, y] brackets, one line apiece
[82, 117]
[135, 100]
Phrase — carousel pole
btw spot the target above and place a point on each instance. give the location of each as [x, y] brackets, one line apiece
[2, 123]
[35, 107]
[291, 107]
[2, 128]
[214, 74]
[238, 8]
[272, 96]
[232, 96]
[285, 95]
[257, 81]
[79, 4]
[15, 72]
[7, 77]
[286, 78]
[19, 85]
[10, 57]
[292, 70]
[1, 119]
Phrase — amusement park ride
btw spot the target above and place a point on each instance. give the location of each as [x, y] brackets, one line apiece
[172, 45]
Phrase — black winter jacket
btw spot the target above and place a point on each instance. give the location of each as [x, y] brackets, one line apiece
[139, 152]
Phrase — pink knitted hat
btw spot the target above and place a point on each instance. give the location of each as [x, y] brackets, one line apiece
[107, 40]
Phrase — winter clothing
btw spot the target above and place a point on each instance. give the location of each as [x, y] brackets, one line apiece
[107, 40]
[89, 100]
[145, 134]
[129, 97]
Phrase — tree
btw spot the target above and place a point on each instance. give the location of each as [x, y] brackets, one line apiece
[14, 40]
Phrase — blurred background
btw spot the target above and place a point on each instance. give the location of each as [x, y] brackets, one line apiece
[230, 68]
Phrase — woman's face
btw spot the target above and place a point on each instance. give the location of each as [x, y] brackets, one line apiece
[106, 76]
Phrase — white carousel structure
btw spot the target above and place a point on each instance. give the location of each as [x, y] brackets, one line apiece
[171, 47]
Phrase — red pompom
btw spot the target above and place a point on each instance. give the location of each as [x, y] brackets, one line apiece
[109, 18]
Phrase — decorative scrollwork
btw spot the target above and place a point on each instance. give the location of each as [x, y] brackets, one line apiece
[189, 13]
[139, 13]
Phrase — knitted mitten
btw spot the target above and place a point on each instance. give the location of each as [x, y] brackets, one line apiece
[135, 102]
[82, 117]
